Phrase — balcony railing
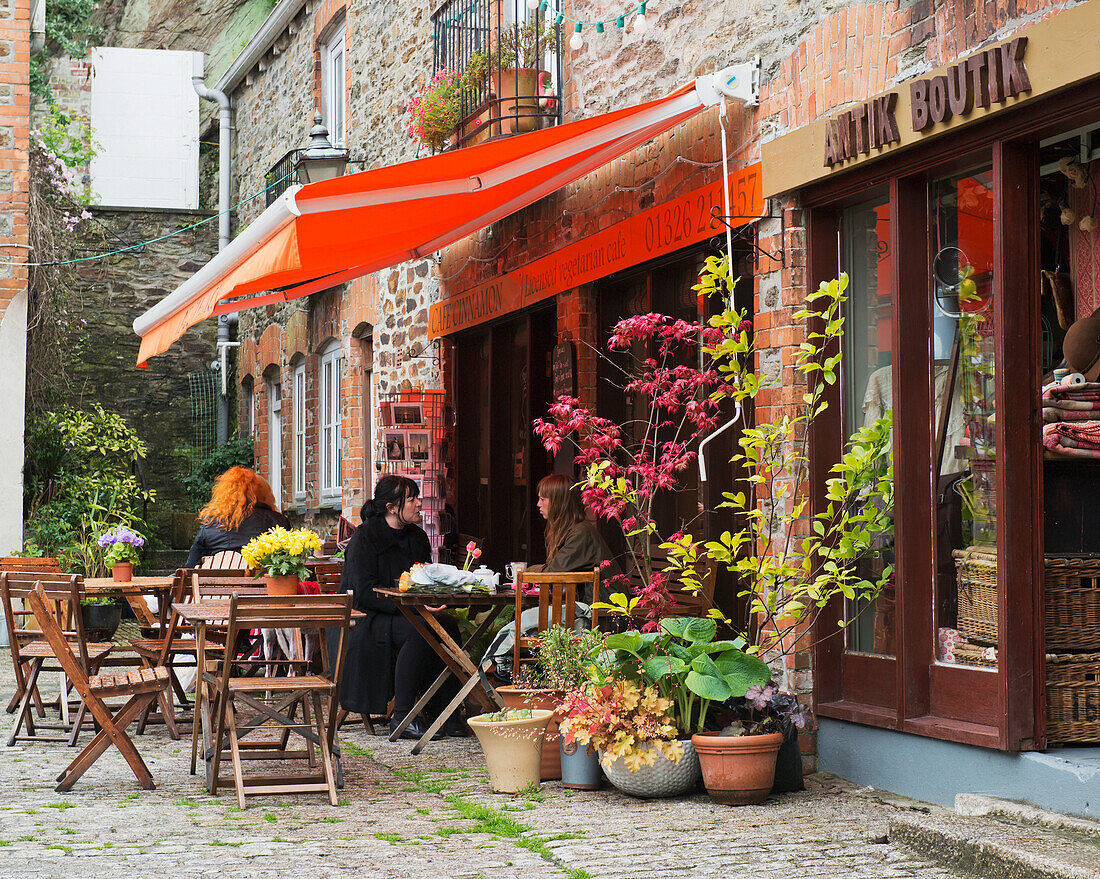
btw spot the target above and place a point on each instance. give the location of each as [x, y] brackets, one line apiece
[281, 176]
[509, 61]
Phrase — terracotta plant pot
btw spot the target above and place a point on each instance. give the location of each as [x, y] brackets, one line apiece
[281, 585]
[549, 700]
[738, 770]
[123, 572]
[512, 748]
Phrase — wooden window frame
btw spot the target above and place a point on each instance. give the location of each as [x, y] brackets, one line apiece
[298, 433]
[1000, 709]
[328, 438]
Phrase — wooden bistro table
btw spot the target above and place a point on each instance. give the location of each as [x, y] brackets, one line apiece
[414, 607]
[213, 613]
[135, 591]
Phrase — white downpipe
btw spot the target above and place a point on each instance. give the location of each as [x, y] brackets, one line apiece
[710, 436]
[225, 126]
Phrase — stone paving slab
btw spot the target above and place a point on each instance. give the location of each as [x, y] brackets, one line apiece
[426, 816]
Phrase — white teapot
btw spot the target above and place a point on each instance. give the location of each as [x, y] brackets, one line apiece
[488, 577]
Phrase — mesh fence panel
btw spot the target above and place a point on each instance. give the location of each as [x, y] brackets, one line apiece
[204, 387]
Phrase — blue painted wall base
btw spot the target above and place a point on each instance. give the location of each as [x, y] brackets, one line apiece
[1065, 780]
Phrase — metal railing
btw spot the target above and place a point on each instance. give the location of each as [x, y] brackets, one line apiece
[508, 58]
[281, 175]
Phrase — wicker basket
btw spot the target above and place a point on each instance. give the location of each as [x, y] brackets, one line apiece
[977, 573]
[1073, 697]
[971, 654]
[1072, 588]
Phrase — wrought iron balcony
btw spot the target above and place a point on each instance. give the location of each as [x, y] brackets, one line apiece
[508, 59]
[281, 176]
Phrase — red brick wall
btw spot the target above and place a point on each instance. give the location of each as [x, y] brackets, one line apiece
[15, 43]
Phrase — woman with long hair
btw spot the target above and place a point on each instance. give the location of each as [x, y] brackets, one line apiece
[572, 541]
[386, 657]
[241, 507]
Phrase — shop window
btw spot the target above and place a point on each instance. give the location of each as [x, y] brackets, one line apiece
[275, 436]
[332, 367]
[963, 428]
[868, 387]
[300, 432]
[333, 79]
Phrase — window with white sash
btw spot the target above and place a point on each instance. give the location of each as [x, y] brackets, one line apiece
[332, 368]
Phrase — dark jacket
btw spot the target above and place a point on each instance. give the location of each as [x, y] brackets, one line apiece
[582, 549]
[214, 538]
[374, 558]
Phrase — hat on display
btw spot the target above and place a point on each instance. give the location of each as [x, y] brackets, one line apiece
[1082, 346]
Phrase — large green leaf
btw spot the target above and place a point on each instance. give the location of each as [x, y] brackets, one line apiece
[693, 629]
[631, 641]
[742, 671]
[707, 681]
[722, 647]
[657, 667]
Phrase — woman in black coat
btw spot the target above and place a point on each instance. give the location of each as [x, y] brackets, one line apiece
[386, 656]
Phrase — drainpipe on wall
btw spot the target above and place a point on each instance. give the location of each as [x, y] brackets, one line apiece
[225, 321]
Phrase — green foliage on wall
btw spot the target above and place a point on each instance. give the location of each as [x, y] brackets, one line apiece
[235, 453]
[68, 32]
[80, 477]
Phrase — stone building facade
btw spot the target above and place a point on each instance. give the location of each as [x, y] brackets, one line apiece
[815, 60]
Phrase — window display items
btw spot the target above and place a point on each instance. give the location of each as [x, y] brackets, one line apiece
[395, 445]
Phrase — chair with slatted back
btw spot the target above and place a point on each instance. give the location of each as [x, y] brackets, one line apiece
[31, 654]
[327, 575]
[241, 708]
[141, 685]
[557, 605]
[21, 564]
[226, 560]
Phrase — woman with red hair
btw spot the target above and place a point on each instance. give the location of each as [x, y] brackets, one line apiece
[241, 507]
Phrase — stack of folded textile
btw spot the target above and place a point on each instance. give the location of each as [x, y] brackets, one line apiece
[1071, 420]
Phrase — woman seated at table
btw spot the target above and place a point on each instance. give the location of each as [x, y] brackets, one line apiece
[572, 541]
[386, 656]
[241, 507]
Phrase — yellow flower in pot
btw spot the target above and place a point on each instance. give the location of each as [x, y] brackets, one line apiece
[279, 555]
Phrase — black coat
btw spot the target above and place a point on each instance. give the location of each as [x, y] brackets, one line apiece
[214, 538]
[373, 558]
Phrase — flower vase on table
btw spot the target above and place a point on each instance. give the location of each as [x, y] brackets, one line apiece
[121, 545]
[279, 556]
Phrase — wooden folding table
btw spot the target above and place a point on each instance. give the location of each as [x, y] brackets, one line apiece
[414, 607]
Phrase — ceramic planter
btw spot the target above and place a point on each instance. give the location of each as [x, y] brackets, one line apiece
[286, 584]
[580, 768]
[663, 779]
[738, 770]
[122, 572]
[549, 700]
[512, 748]
[101, 621]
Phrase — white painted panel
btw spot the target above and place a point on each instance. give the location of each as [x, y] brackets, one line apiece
[145, 120]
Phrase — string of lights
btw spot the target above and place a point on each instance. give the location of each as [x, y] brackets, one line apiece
[551, 10]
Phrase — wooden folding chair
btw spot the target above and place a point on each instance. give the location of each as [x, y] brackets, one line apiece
[557, 604]
[328, 575]
[19, 564]
[241, 709]
[141, 685]
[31, 654]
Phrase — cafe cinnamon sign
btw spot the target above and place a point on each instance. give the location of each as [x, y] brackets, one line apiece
[662, 229]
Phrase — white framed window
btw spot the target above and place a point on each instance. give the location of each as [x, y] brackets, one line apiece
[332, 367]
[250, 405]
[300, 432]
[275, 437]
[333, 79]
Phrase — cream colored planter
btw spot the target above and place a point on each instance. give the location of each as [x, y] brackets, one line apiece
[512, 748]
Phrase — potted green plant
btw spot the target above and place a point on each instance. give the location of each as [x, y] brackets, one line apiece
[558, 666]
[738, 761]
[511, 740]
[279, 556]
[120, 546]
[101, 615]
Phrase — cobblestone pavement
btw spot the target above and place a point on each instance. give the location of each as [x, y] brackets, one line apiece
[426, 816]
